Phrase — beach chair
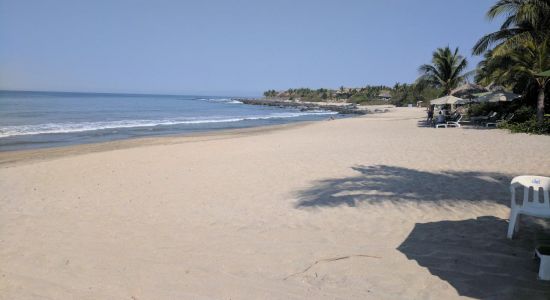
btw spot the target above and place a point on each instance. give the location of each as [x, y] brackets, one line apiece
[453, 122]
[491, 119]
[477, 120]
[539, 188]
[505, 118]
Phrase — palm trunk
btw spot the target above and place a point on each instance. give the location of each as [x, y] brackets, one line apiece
[540, 106]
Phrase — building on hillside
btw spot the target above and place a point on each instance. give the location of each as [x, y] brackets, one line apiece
[342, 91]
[385, 95]
[283, 94]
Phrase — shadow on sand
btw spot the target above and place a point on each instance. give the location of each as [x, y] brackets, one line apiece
[389, 183]
[477, 260]
[425, 124]
[474, 256]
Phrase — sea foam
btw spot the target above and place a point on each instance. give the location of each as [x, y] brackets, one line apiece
[69, 127]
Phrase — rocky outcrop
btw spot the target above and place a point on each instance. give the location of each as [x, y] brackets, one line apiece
[305, 106]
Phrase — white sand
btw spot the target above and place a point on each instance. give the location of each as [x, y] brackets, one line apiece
[241, 216]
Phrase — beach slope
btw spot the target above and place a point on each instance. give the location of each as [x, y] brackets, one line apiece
[374, 207]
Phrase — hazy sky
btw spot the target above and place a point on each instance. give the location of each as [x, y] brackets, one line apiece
[227, 47]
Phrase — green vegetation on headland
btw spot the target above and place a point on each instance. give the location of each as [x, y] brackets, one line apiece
[399, 94]
[516, 58]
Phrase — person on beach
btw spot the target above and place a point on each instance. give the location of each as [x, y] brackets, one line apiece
[440, 118]
[430, 114]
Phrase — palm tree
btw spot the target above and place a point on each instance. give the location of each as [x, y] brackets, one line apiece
[446, 71]
[270, 93]
[520, 65]
[520, 46]
[523, 19]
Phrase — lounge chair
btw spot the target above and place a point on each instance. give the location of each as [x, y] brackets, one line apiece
[453, 122]
[480, 119]
[539, 187]
[491, 119]
[505, 118]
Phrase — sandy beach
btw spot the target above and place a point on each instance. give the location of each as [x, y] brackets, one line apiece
[373, 207]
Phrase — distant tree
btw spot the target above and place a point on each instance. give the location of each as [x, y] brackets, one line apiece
[270, 93]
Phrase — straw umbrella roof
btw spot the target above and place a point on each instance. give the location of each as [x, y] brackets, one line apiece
[468, 89]
[448, 100]
[497, 97]
[384, 94]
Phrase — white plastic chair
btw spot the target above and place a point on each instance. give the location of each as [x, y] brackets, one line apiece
[455, 123]
[450, 123]
[531, 206]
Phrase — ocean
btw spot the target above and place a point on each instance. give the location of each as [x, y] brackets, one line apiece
[51, 119]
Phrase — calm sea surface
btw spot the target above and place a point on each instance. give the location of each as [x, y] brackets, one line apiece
[50, 119]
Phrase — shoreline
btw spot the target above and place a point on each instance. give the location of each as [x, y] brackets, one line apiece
[34, 120]
[15, 157]
[10, 157]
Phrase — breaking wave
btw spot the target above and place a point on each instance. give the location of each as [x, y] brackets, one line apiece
[49, 128]
[221, 100]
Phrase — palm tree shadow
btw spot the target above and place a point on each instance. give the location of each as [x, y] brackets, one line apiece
[473, 255]
[477, 260]
[389, 183]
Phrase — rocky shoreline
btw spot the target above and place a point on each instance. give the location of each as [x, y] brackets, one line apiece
[344, 108]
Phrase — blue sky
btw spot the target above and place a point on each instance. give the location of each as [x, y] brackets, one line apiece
[227, 47]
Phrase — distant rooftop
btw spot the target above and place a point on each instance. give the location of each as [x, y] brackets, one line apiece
[385, 94]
